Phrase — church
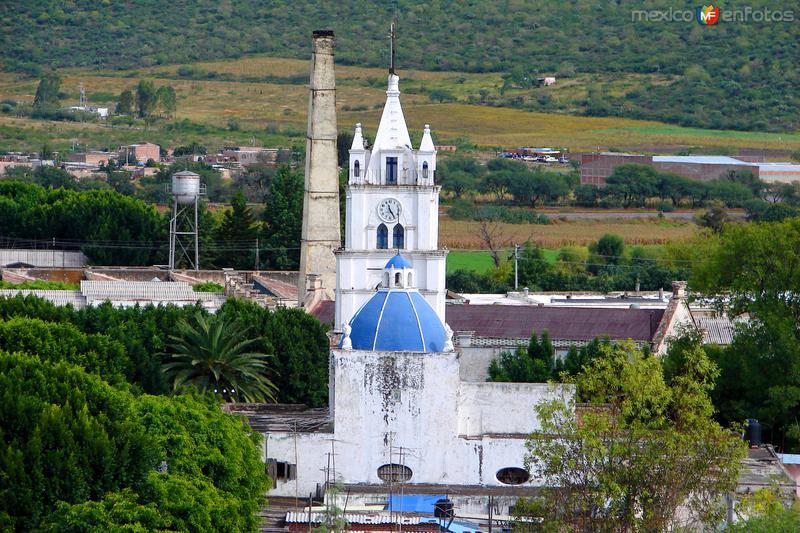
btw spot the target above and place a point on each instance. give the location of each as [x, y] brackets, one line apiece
[401, 416]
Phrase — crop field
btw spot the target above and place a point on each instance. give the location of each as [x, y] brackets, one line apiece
[278, 107]
[464, 235]
[481, 261]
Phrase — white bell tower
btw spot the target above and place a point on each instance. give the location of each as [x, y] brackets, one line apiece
[392, 206]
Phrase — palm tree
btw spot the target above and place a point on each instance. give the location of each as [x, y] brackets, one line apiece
[213, 354]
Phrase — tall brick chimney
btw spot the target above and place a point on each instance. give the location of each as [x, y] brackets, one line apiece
[321, 232]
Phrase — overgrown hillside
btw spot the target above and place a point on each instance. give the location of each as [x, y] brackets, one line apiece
[734, 75]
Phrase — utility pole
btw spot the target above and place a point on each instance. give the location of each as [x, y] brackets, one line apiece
[516, 267]
[491, 504]
[257, 261]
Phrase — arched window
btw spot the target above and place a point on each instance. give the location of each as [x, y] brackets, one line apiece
[383, 237]
[425, 170]
[397, 279]
[357, 169]
[409, 284]
[398, 237]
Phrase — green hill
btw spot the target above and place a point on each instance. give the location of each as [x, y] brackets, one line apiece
[732, 75]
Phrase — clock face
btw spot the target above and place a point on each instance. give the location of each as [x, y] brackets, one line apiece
[389, 210]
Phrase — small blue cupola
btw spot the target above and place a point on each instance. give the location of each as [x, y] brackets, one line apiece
[397, 318]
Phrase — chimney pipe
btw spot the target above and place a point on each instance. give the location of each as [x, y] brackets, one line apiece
[321, 233]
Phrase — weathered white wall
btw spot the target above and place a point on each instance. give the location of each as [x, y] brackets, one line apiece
[451, 432]
[501, 408]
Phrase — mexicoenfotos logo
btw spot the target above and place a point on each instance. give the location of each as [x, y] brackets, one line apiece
[708, 15]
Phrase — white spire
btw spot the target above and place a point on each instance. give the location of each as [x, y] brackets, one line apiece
[427, 142]
[392, 132]
[358, 140]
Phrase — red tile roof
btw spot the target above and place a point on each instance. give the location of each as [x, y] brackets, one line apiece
[568, 323]
[325, 311]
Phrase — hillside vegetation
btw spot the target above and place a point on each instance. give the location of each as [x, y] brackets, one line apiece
[733, 75]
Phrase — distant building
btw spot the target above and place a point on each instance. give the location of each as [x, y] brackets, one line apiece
[250, 155]
[446, 147]
[93, 158]
[595, 168]
[142, 152]
[101, 112]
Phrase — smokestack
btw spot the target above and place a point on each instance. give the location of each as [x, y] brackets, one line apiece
[321, 234]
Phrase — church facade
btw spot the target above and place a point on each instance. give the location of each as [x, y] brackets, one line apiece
[400, 411]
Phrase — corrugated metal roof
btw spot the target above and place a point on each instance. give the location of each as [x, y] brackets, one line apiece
[716, 330]
[137, 290]
[562, 323]
[74, 298]
[353, 518]
[42, 258]
[701, 160]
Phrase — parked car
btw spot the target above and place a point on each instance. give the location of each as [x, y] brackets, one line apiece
[563, 160]
[550, 159]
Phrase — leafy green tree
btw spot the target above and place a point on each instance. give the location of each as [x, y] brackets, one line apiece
[237, 231]
[300, 345]
[47, 92]
[215, 355]
[765, 512]
[752, 269]
[632, 184]
[125, 102]
[607, 250]
[283, 220]
[640, 447]
[533, 266]
[65, 342]
[532, 365]
[146, 98]
[714, 217]
[67, 436]
[166, 101]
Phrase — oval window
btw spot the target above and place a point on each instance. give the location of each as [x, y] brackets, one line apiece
[512, 475]
[394, 473]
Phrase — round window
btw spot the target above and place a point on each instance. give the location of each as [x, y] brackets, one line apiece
[512, 475]
[394, 473]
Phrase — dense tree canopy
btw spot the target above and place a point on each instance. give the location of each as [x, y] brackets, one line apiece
[641, 445]
[753, 270]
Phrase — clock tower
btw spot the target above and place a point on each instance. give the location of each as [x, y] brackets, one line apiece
[392, 207]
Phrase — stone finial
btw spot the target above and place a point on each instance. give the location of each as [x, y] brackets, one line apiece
[347, 344]
[448, 345]
[358, 139]
[678, 289]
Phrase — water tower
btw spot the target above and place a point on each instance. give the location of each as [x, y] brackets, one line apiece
[183, 228]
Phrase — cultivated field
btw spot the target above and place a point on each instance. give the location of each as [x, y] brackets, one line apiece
[268, 97]
[465, 235]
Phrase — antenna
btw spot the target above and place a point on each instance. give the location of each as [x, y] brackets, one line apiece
[393, 46]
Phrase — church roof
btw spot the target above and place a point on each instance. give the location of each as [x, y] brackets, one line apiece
[398, 262]
[397, 320]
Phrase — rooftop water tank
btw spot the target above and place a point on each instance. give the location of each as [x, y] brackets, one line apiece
[185, 186]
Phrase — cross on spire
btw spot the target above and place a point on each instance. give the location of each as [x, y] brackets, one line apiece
[392, 46]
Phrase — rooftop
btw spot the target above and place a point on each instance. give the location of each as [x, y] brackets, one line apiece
[567, 323]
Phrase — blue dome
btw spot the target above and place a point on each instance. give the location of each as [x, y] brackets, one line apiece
[398, 262]
[397, 321]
